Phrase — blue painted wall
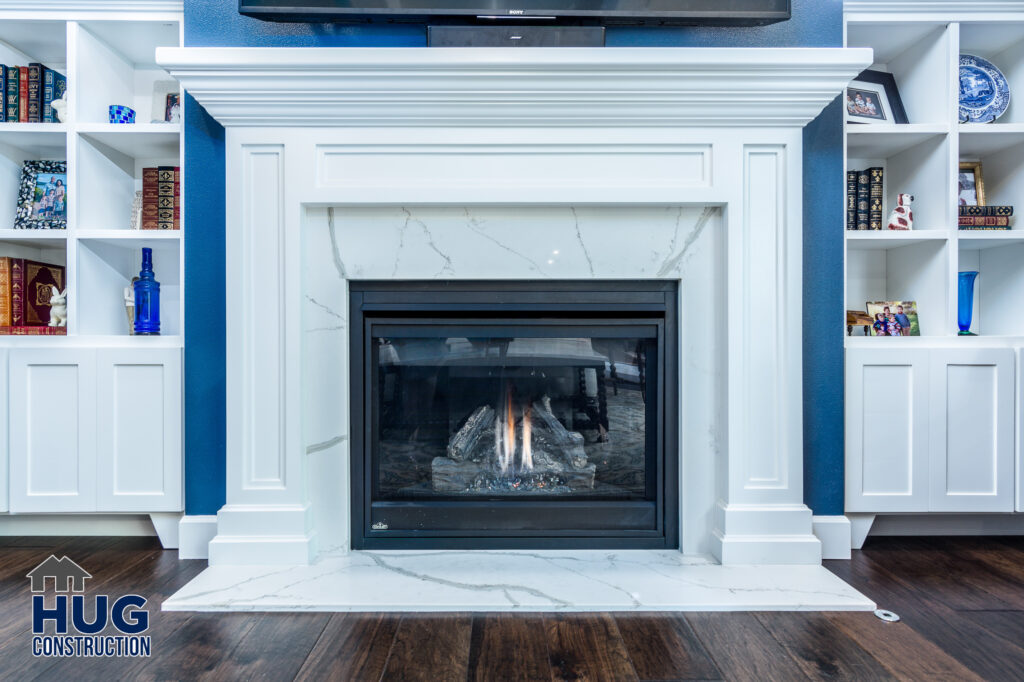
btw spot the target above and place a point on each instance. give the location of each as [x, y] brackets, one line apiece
[216, 23]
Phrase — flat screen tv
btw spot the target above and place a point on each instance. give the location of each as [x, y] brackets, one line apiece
[678, 12]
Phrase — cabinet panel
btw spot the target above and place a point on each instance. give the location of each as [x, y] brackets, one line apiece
[886, 430]
[139, 438]
[972, 430]
[52, 407]
[1019, 418]
[5, 432]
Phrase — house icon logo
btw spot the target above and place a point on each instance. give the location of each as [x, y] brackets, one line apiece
[66, 574]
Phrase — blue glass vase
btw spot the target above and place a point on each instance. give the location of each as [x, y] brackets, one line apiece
[147, 298]
[965, 301]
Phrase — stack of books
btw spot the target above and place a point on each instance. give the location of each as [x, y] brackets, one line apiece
[864, 192]
[25, 297]
[985, 217]
[161, 198]
[28, 93]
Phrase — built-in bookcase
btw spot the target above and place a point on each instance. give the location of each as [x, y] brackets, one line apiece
[108, 58]
[922, 158]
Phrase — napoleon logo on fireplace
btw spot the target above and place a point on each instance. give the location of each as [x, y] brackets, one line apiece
[485, 430]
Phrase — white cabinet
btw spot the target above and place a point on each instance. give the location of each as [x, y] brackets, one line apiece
[930, 429]
[886, 430]
[971, 430]
[95, 431]
[5, 431]
[52, 403]
[138, 402]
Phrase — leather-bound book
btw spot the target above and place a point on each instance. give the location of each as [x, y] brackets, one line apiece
[177, 197]
[23, 94]
[5, 291]
[875, 198]
[863, 203]
[35, 92]
[149, 198]
[31, 292]
[165, 198]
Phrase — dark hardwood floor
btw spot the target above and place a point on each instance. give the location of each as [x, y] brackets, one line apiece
[961, 603]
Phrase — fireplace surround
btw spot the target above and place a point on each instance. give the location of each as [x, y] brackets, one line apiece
[514, 414]
[477, 164]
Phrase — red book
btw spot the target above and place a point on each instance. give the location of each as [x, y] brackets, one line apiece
[33, 331]
[5, 291]
[149, 199]
[31, 284]
[23, 94]
[984, 221]
[177, 197]
[17, 291]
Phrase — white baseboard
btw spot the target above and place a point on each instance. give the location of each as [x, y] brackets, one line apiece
[948, 524]
[194, 535]
[76, 524]
[834, 533]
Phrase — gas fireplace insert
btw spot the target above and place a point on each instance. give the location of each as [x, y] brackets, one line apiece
[514, 414]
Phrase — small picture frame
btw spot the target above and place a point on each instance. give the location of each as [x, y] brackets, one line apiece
[172, 108]
[893, 318]
[971, 185]
[43, 196]
[873, 97]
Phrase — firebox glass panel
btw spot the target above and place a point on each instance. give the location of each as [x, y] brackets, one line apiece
[534, 416]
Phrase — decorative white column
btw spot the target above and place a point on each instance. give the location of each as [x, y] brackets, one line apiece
[745, 107]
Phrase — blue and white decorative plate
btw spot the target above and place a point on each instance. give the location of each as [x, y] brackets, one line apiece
[984, 92]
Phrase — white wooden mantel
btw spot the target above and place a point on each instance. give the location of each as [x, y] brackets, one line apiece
[615, 126]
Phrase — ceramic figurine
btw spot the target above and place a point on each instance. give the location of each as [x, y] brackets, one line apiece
[902, 218]
[58, 307]
[60, 109]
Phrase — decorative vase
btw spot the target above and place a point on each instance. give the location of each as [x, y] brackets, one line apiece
[147, 298]
[965, 301]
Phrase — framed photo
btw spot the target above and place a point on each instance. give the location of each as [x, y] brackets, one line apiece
[873, 98]
[894, 318]
[172, 108]
[43, 196]
[162, 104]
[971, 190]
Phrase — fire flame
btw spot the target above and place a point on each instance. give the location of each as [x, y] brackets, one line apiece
[505, 436]
[527, 451]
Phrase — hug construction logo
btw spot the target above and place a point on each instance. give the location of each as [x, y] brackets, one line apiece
[73, 632]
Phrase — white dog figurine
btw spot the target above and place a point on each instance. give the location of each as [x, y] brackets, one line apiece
[58, 307]
[902, 218]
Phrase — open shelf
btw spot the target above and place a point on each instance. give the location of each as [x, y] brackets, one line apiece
[24, 41]
[872, 240]
[999, 288]
[1002, 44]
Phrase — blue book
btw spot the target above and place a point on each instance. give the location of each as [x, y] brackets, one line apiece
[55, 85]
[3, 92]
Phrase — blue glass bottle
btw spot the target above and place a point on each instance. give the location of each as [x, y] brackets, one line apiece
[147, 298]
[965, 301]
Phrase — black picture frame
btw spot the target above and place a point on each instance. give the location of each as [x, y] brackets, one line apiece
[888, 85]
[27, 218]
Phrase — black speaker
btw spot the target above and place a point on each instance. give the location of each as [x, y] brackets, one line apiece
[515, 36]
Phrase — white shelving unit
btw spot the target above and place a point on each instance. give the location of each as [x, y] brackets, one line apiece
[118, 438]
[931, 421]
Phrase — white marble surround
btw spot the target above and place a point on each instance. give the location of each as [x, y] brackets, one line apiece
[514, 164]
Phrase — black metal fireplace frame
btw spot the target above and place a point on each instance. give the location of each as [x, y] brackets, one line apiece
[651, 523]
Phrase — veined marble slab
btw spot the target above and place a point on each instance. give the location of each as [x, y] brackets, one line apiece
[591, 580]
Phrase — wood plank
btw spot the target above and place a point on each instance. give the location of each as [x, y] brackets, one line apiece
[193, 649]
[742, 648]
[353, 646]
[430, 648]
[906, 653]
[274, 648]
[586, 646]
[663, 646]
[1007, 625]
[820, 648]
[508, 646]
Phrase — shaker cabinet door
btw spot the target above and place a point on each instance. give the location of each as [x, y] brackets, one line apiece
[886, 430]
[51, 397]
[972, 430]
[5, 433]
[138, 401]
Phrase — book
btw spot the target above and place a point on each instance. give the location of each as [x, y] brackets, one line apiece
[55, 86]
[35, 92]
[984, 221]
[165, 198]
[3, 93]
[986, 210]
[23, 94]
[851, 200]
[177, 197]
[863, 205]
[985, 227]
[39, 278]
[17, 286]
[5, 291]
[149, 198]
[875, 198]
[24, 330]
[11, 94]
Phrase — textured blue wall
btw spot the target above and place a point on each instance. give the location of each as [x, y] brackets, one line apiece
[815, 23]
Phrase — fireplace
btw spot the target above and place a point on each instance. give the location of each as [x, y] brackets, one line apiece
[514, 414]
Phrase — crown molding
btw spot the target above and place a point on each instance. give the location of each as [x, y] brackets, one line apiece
[86, 9]
[951, 8]
[502, 87]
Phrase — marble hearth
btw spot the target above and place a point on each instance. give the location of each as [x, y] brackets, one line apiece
[377, 164]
